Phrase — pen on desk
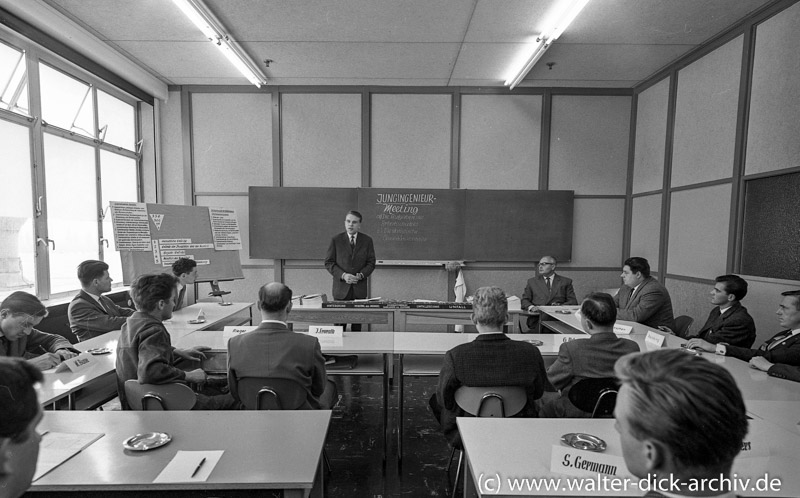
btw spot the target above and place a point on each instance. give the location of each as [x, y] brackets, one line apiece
[197, 469]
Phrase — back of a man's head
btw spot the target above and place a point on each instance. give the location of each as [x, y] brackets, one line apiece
[19, 413]
[599, 307]
[686, 404]
[490, 307]
[274, 297]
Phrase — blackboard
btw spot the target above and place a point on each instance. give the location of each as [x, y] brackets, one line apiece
[414, 224]
[771, 231]
[179, 231]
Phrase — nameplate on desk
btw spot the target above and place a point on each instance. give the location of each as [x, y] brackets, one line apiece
[572, 337]
[622, 329]
[230, 331]
[328, 335]
[580, 463]
[83, 361]
[654, 339]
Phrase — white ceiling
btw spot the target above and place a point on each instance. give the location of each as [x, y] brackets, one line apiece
[612, 43]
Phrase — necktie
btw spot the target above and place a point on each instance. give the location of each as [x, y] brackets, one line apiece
[352, 241]
[105, 306]
[547, 281]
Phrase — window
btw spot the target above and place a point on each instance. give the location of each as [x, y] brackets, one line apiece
[13, 80]
[66, 102]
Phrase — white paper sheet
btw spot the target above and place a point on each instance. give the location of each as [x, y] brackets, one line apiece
[184, 463]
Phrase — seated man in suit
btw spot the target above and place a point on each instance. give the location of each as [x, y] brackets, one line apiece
[144, 350]
[681, 420]
[90, 313]
[20, 413]
[783, 347]
[643, 299]
[779, 370]
[20, 312]
[185, 270]
[586, 358]
[546, 289]
[272, 350]
[729, 321]
[492, 359]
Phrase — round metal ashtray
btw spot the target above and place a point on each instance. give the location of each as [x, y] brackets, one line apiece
[98, 351]
[196, 321]
[535, 342]
[693, 351]
[147, 441]
[564, 312]
[581, 441]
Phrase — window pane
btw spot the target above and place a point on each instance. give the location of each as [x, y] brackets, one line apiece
[71, 209]
[16, 212]
[119, 118]
[118, 176]
[13, 80]
[66, 102]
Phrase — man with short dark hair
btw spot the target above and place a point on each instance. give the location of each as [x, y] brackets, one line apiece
[272, 350]
[90, 313]
[20, 413]
[492, 359]
[642, 298]
[729, 321]
[680, 418]
[351, 260]
[144, 350]
[591, 358]
[185, 270]
[783, 347]
[546, 289]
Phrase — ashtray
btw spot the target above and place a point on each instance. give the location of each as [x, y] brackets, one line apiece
[98, 351]
[197, 320]
[147, 441]
[693, 351]
[581, 441]
[535, 342]
[564, 312]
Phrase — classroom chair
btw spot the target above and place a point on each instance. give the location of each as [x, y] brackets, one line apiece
[596, 396]
[682, 324]
[173, 396]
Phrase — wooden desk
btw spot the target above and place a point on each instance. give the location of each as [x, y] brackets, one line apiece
[522, 448]
[263, 450]
[554, 315]
[396, 319]
[217, 317]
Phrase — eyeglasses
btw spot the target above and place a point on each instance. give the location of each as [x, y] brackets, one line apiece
[28, 323]
[546, 264]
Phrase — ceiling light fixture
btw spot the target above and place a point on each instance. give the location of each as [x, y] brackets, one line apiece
[212, 29]
[565, 12]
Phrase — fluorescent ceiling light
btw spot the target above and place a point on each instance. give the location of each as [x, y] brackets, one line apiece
[565, 12]
[212, 29]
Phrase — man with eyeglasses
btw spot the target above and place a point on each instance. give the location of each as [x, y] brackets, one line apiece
[546, 289]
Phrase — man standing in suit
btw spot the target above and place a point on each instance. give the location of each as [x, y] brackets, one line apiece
[643, 299]
[272, 350]
[783, 347]
[591, 358]
[185, 270]
[351, 260]
[546, 289]
[90, 313]
[729, 321]
[681, 420]
[492, 359]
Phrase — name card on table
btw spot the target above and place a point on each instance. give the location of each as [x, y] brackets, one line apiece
[328, 335]
[229, 331]
[83, 361]
[620, 329]
[654, 340]
[580, 463]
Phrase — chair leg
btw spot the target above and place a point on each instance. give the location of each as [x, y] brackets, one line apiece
[326, 461]
[458, 472]
[450, 461]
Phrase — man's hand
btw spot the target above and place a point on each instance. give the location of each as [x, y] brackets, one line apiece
[350, 278]
[196, 376]
[46, 361]
[664, 328]
[701, 344]
[65, 354]
[760, 363]
[532, 308]
[193, 354]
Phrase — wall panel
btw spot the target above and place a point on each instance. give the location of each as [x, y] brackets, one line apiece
[690, 298]
[651, 135]
[646, 228]
[171, 181]
[597, 232]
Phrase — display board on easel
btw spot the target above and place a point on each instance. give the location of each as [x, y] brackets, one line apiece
[150, 237]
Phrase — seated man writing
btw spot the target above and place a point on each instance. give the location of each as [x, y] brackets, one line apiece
[492, 359]
[144, 350]
[20, 312]
[586, 358]
[272, 350]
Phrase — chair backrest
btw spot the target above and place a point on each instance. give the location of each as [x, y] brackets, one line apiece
[682, 324]
[266, 393]
[606, 403]
[498, 401]
[172, 396]
[585, 394]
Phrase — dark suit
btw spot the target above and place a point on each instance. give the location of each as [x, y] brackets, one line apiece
[787, 352]
[735, 327]
[33, 345]
[489, 360]
[341, 259]
[179, 302]
[88, 318]
[272, 350]
[650, 305]
[782, 371]
[537, 294]
[580, 359]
